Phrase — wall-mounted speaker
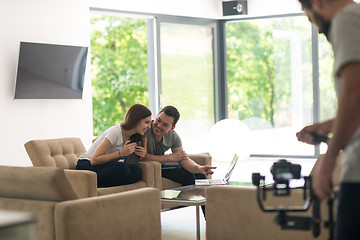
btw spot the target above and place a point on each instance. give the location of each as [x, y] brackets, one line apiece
[234, 8]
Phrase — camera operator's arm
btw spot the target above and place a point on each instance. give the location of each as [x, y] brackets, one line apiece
[320, 129]
[346, 123]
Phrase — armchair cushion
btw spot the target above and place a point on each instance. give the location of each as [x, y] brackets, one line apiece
[121, 188]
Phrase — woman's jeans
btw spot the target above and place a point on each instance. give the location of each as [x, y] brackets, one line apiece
[112, 173]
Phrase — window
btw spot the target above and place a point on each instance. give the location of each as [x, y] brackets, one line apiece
[270, 81]
[187, 80]
[327, 98]
[328, 101]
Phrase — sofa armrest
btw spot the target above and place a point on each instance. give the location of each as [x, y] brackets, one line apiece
[233, 211]
[153, 169]
[84, 182]
[128, 215]
[148, 176]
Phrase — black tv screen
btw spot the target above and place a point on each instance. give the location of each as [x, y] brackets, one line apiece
[49, 71]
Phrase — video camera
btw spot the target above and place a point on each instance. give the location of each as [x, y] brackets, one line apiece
[283, 173]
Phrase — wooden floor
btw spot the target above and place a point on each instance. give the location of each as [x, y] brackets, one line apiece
[180, 224]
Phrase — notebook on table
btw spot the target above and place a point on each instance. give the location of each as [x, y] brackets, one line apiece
[222, 181]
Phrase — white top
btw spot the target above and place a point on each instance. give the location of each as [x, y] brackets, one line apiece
[114, 135]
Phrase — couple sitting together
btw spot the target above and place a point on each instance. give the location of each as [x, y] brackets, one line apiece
[146, 140]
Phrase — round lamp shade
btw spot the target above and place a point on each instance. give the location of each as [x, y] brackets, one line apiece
[228, 137]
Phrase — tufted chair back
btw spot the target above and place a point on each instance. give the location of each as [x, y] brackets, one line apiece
[60, 152]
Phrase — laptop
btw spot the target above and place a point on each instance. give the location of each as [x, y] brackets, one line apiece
[224, 181]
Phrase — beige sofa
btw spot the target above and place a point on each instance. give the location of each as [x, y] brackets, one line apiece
[62, 214]
[64, 153]
[233, 213]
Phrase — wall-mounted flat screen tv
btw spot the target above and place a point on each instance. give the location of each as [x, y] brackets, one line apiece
[50, 71]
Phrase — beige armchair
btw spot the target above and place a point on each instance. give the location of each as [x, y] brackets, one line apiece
[61, 213]
[64, 152]
[233, 213]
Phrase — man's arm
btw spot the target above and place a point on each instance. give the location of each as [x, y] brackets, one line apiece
[186, 162]
[167, 158]
[190, 165]
[177, 155]
[348, 116]
[346, 123]
[180, 156]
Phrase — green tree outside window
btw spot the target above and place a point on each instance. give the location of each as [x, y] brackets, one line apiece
[118, 68]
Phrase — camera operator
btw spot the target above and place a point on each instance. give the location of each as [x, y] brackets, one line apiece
[339, 20]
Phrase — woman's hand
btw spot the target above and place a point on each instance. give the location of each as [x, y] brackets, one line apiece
[128, 148]
[140, 151]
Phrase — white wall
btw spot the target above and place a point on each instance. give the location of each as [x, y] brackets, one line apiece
[272, 7]
[189, 8]
[48, 21]
[198, 8]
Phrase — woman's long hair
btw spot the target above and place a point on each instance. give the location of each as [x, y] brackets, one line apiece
[134, 115]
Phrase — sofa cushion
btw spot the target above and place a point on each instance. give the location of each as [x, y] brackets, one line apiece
[121, 188]
[36, 183]
[61, 152]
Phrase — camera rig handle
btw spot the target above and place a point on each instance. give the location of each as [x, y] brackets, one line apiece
[331, 223]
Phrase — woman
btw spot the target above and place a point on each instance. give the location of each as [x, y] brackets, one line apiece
[106, 155]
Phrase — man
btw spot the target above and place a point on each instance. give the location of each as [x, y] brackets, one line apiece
[162, 137]
[339, 20]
